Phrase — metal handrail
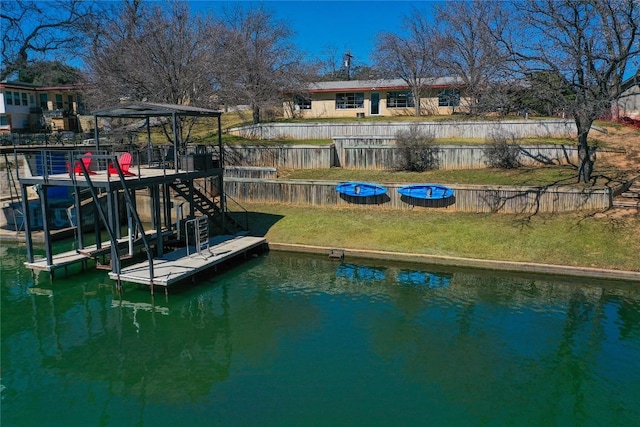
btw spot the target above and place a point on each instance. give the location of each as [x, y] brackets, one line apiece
[136, 218]
[227, 211]
[242, 210]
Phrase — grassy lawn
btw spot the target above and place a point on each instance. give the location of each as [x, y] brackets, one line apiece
[542, 176]
[577, 239]
[205, 131]
[584, 239]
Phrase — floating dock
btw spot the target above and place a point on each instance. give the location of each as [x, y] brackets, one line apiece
[61, 260]
[183, 263]
[65, 259]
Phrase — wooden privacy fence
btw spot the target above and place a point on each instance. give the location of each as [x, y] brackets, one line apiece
[370, 153]
[440, 129]
[468, 198]
[281, 156]
[250, 172]
[450, 156]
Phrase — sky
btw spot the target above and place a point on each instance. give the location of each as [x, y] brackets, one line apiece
[342, 25]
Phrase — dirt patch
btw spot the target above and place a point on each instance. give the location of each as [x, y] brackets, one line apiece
[617, 213]
[624, 138]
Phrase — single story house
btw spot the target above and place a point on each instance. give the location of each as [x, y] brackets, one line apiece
[26, 107]
[382, 97]
[629, 103]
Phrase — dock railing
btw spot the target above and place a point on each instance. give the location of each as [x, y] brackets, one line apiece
[236, 212]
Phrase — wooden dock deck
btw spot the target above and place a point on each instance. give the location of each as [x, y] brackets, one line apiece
[179, 265]
[142, 176]
[65, 259]
[61, 260]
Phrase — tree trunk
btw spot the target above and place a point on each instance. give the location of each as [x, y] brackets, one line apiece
[256, 114]
[415, 92]
[586, 154]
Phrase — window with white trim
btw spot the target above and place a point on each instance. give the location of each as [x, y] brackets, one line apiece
[349, 100]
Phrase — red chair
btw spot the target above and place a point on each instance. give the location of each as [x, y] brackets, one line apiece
[86, 160]
[124, 162]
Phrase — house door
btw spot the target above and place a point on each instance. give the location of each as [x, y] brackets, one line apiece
[375, 103]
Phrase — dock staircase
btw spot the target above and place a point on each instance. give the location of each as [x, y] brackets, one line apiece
[224, 221]
[630, 198]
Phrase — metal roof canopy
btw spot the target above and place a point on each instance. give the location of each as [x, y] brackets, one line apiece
[145, 110]
[148, 109]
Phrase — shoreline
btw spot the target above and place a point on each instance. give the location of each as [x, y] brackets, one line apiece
[441, 260]
[451, 261]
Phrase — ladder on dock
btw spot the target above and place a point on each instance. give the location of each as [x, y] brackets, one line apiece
[200, 227]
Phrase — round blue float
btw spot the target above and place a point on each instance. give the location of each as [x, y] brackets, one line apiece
[360, 189]
[426, 191]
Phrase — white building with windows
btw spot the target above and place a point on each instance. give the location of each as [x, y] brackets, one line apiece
[383, 97]
[628, 106]
[31, 108]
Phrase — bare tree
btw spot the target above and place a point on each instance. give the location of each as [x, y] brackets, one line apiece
[255, 63]
[409, 57]
[34, 30]
[153, 54]
[331, 63]
[467, 48]
[586, 46]
[417, 151]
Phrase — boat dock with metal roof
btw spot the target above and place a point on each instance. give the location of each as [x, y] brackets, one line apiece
[116, 184]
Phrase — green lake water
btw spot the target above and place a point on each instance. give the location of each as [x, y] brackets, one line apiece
[298, 340]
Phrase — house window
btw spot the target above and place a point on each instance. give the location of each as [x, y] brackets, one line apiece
[25, 100]
[400, 99]
[9, 98]
[349, 100]
[449, 98]
[301, 102]
[16, 98]
[4, 120]
[59, 105]
[44, 101]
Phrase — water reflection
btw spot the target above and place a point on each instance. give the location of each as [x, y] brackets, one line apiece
[306, 333]
[422, 278]
[361, 273]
